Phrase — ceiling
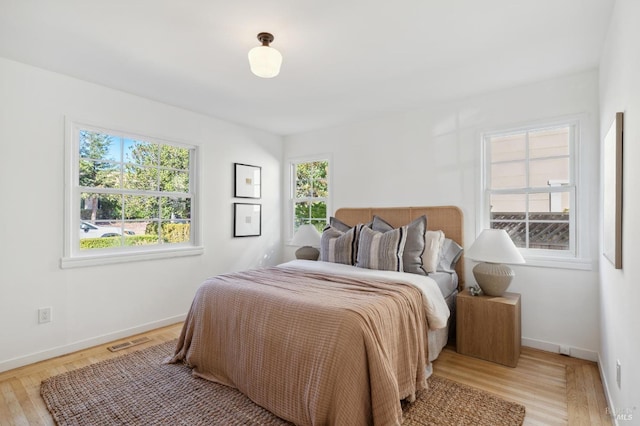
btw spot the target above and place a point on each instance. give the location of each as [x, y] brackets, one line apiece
[344, 60]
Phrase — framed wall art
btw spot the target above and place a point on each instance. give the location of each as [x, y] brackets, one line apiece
[247, 181]
[612, 193]
[247, 220]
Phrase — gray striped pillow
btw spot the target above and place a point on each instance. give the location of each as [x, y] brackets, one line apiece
[412, 257]
[339, 247]
[382, 251]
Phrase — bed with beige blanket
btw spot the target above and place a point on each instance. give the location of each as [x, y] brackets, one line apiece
[317, 342]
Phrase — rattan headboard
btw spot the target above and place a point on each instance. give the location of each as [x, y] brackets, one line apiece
[449, 219]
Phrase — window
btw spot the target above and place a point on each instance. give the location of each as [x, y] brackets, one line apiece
[530, 187]
[127, 194]
[310, 193]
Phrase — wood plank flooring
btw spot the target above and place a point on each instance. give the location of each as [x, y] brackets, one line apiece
[556, 390]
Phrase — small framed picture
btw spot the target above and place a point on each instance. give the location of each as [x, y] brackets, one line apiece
[247, 181]
[247, 220]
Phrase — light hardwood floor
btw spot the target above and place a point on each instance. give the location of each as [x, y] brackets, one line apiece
[555, 390]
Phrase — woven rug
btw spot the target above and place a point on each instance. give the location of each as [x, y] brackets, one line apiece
[137, 389]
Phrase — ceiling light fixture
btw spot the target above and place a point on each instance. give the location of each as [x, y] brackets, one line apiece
[265, 61]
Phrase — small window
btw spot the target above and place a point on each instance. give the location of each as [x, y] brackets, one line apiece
[530, 187]
[310, 193]
[128, 193]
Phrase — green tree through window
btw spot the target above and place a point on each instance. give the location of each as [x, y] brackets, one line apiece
[132, 192]
[311, 192]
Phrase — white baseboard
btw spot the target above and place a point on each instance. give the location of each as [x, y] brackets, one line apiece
[87, 343]
[607, 395]
[555, 348]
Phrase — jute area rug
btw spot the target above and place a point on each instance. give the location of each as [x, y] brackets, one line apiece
[137, 389]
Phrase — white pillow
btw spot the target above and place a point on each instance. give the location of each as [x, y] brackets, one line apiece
[432, 244]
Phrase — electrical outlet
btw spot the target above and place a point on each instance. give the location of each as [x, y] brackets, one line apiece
[44, 315]
[618, 373]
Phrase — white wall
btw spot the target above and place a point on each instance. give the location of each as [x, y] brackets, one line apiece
[97, 304]
[430, 157]
[620, 289]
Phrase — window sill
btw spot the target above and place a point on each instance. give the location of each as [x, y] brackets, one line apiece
[112, 258]
[559, 262]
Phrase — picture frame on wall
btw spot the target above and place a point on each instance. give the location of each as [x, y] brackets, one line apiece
[247, 220]
[247, 181]
[612, 193]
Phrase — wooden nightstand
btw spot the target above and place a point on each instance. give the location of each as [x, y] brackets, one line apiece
[488, 327]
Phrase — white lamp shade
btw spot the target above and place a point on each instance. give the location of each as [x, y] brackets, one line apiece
[306, 235]
[494, 246]
[265, 61]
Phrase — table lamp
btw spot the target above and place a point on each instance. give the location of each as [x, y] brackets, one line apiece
[493, 248]
[307, 238]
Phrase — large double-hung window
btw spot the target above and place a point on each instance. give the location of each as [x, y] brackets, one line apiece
[530, 187]
[127, 194]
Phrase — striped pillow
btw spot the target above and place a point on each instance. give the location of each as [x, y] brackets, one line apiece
[412, 257]
[339, 247]
[382, 251]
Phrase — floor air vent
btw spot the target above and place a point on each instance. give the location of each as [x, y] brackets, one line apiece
[125, 345]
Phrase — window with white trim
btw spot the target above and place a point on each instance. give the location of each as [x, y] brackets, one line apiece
[127, 193]
[309, 193]
[529, 177]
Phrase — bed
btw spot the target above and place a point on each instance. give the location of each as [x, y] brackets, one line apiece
[325, 342]
[450, 220]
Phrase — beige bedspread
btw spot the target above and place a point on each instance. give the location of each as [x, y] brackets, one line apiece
[312, 348]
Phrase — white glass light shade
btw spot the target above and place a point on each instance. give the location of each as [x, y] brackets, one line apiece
[494, 246]
[265, 61]
[306, 235]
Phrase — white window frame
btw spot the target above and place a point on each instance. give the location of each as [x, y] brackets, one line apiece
[291, 173]
[73, 256]
[576, 256]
